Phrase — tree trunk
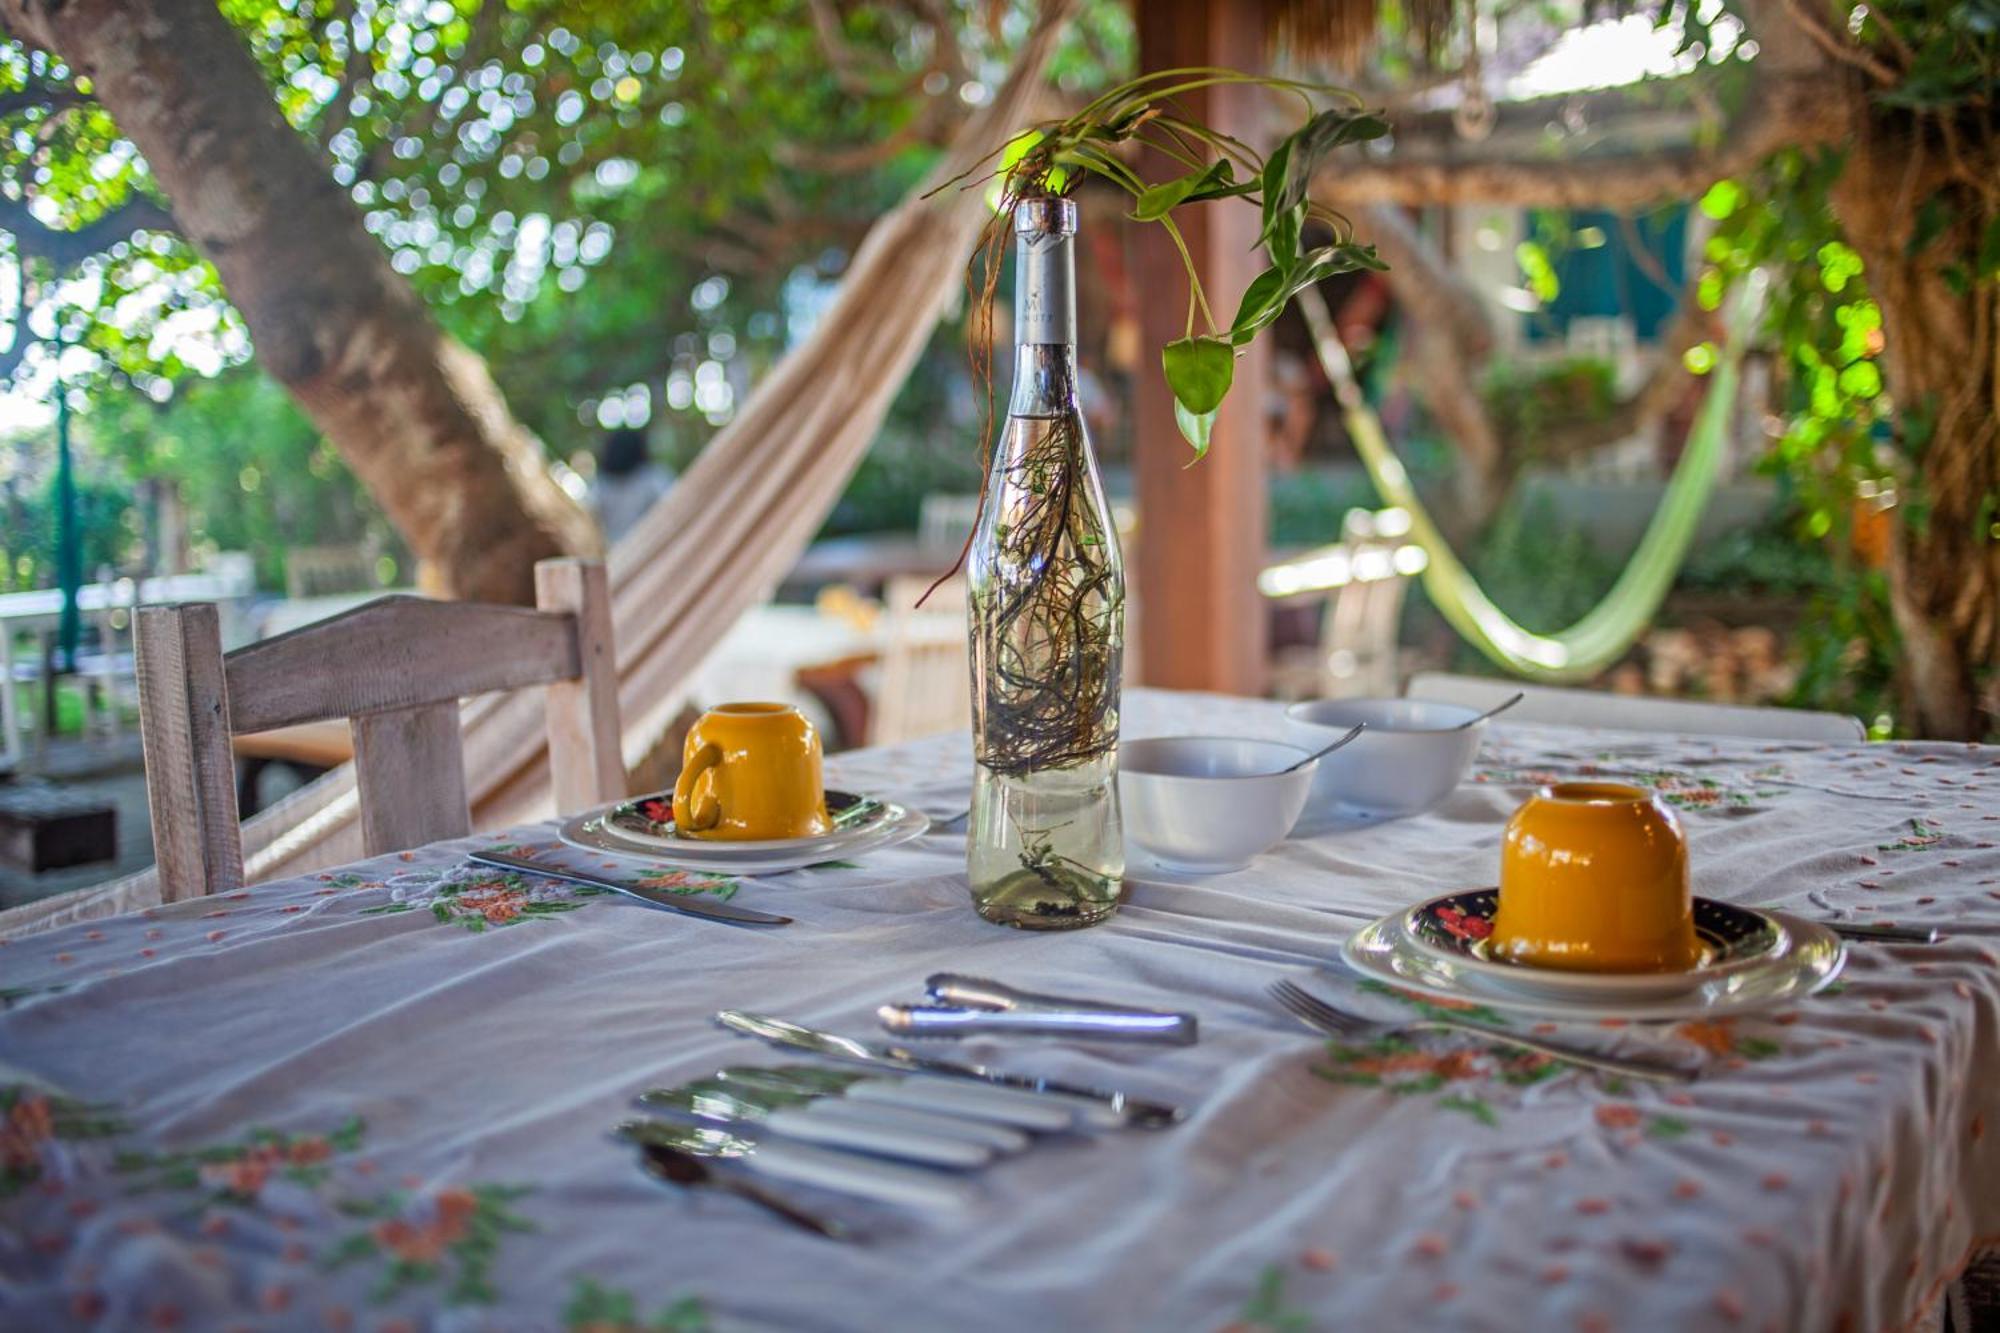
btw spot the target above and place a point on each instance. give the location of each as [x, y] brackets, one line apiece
[1940, 353]
[414, 412]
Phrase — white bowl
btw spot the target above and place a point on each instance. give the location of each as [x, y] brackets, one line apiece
[1410, 758]
[1208, 804]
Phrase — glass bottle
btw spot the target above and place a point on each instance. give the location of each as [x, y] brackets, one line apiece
[1045, 848]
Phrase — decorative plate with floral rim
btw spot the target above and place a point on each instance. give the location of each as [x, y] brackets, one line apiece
[1456, 926]
[881, 824]
[1384, 950]
[650, 819]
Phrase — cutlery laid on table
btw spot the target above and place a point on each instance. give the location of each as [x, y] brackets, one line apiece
[1861, 930]
[901, 1101]
[816, 1120]
[968, 1006]
[1102, 1107]
[804, 1164]
[684, 903]
[688, 1171]
[1331, 1021]
[923, 1020]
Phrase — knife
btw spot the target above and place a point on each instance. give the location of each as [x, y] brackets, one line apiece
[1100, 1106]
[1862, 930]
[889, 1101]
[808, 1121]
[805, 1165]
[686, 904]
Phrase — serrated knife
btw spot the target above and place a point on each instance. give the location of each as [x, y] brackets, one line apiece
[1098, 1105]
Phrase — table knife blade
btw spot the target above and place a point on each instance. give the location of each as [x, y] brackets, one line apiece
[686, 904]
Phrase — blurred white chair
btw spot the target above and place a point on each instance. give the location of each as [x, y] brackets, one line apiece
[1360, 584]
[924, 685]
[1632, 712]
[944, 522]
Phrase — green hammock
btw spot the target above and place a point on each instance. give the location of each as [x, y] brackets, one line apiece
[1603, 635]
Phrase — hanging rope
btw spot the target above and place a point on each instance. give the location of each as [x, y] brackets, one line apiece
[1602, 636]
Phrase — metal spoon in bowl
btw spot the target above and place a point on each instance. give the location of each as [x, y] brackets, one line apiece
[1353, 731]
[1494, 711]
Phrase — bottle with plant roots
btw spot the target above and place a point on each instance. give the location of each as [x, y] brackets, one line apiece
[1045, 848]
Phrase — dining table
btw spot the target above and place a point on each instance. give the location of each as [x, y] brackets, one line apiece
[381, 1097]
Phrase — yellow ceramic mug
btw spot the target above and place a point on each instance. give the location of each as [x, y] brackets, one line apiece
[1594, 878]
[751, 772]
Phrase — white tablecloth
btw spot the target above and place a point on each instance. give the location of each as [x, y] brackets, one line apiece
[380, 1099]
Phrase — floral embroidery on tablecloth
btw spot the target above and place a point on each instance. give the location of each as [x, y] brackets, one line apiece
[594, 1308]
[1923, 834]
[1267, 1310]
[489, 898]
[1624, 1117]
[236, 1173]
[1404, 1067]
[1719, 1036]
[1740, 792]
[425, 1236]
[31, 1120]
[1434, 1006]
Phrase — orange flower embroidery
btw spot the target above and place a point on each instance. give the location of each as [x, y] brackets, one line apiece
[1618, 1115]
[426, 1243]
[1716, 1035]
[28, 1126]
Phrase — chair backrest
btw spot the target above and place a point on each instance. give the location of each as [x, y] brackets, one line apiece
[1628, 712]
[396, 668]
[926, 682]
[945, 520]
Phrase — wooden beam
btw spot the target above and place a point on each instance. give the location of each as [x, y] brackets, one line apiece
[1201, 536]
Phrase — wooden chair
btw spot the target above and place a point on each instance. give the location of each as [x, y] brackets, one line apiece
[926, 683]
[396, 668]
[1627, 712]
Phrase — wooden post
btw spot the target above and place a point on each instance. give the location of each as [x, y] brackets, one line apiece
[1201, 537]
[184, 729]
[586, 765]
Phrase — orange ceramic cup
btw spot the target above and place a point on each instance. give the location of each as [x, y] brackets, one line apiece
[751, 772]
[1594, 878]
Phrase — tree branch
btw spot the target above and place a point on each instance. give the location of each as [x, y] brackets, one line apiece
[1785, 113]
[35, 239]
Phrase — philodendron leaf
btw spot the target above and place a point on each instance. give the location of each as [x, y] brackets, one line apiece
[1262, 300]
[1265, 298]
[1195, 428]
[1159, 200]
[1199, 370]
[1309, 145]
[1273, 186]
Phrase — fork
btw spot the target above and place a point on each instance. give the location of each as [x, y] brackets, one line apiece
[1322, 1017]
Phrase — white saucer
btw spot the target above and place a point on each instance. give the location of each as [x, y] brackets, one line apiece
[589, 832]
[1382, 951]
[1450, 929]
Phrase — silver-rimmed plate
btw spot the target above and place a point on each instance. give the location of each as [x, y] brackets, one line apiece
[1454, 928]
[591, 832]
[648, 821]
[1383, 951]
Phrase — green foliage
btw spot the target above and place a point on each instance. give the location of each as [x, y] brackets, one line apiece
[629, 210]
[250, 470]
[28, 522]
[1057, 155]
[1526, 400]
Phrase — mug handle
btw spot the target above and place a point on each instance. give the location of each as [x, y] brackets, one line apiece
[689, 813]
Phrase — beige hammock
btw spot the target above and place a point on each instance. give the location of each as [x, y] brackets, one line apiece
[718, 544]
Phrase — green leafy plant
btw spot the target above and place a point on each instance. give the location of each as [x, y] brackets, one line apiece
[1054, 158]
